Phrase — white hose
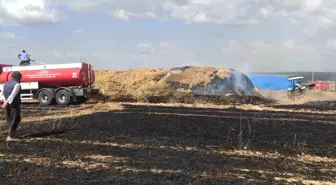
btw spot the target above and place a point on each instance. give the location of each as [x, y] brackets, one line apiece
[38, 62]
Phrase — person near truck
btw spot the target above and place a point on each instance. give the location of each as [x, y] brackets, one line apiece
[24, 57]
[11, 96]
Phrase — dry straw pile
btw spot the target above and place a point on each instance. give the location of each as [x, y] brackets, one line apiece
[162, 85]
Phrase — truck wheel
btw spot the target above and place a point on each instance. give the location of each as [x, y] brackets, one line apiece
[63, 97]
[45, 98]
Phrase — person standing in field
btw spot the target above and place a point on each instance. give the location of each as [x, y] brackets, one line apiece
[11, 96]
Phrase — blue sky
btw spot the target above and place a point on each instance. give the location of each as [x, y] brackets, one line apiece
[248, 35]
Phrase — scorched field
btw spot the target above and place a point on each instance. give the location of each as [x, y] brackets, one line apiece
[110, 143]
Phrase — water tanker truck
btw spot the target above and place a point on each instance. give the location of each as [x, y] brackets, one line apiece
[50, 83]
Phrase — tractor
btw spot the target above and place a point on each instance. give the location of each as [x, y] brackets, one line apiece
[296, 89]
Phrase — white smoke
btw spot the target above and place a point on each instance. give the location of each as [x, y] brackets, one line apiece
[240, 74]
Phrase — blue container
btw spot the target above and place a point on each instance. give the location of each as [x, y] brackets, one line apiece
[269, 82]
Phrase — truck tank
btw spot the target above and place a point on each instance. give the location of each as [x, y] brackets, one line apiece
[52, 75]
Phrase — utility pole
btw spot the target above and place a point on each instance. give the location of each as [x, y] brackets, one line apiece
[145, 53]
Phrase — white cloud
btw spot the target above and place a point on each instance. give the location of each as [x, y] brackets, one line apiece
[214, 11]
[78, 32]
[313, 14]
[261, 56]
[164, 44]
[290, 44]
[120, 14]
[58, 54]
[278, 32]
[241, 12]
[145, 45]
[305, 5]
[7, 35]
[157, 48]
[190, 11]
[28, 12]
[125, 16]
[331, 44]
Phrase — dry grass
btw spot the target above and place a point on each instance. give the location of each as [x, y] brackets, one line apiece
[198, 75]
[281, 96]
[134, 143]
[162, 85]
[126, 85]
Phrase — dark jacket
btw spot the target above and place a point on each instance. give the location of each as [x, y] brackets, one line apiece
[8, 88]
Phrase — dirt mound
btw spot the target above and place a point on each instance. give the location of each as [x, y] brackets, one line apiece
[175, 83]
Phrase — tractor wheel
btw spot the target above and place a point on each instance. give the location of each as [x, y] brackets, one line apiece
[305, 92]
[297, 93]
[290, 95]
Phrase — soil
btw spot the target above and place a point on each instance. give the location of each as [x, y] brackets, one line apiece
[134, 143]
